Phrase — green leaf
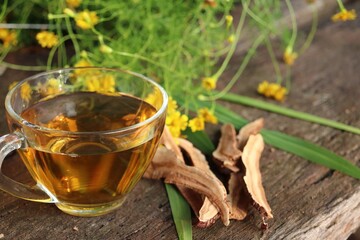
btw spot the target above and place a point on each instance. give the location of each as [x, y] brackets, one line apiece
[311, 152]
[287, 112]
[201, 141]
[181, 213]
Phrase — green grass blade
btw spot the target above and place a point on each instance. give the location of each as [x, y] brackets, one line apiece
[181, 213]
[310, 152]
[288, 112]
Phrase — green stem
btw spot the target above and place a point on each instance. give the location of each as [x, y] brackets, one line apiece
[3, 10]
[288, 112]
[312, 32]
[72, 36]
[273, 60]
[293, 23]
[341, 5]
[234, 44]
[238, 73]
[22, 67]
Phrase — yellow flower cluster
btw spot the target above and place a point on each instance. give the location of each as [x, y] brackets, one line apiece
[25, 92]
[344, 15]
[86, 19]
[289, 56]
[209, 83]
[8, 37]
[100, 83]
[272, 90]
[178, 122]
[47, 39]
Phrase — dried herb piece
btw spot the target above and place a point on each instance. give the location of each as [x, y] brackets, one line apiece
[227, 154]
[205, 211]
[251, 160]
[251, 128]
[167, 165]
[238, 196]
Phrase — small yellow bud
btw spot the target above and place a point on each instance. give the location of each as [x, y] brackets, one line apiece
[69, 12]
[105, 49]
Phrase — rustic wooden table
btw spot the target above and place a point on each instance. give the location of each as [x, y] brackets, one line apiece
[308, 201]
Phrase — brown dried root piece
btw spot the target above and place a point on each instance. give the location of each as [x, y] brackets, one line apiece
[251, 159]
[238, 196]
[204, 210]
[227, 154]
[165, 164]
[251, 128]
[245, 186]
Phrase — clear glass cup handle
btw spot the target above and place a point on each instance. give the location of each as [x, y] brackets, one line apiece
[9, 143]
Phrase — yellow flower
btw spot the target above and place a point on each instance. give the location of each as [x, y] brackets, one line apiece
[344, 15]
[289, 56]
[86, 19]
[231, 38]
[47, 39]
[280, 94]
[208, 83]
[172, 106]
[262, 87]
[8, 37]
[176, 122]
[69, 12]
[207, 115]
[53, 86]
[228, 20]
[105, 49]
[83, 63]
[25, 92]
[73, 3]
[79, 64]
[197, 124]
[100, 83]
[272, 90]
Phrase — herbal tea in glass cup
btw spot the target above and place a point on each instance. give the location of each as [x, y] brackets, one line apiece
[86, 135]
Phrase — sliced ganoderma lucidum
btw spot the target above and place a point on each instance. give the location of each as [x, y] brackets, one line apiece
[239, 197]
[251, 160]
[206, 212]
[251, 128]
[165, 165]
[227, 154]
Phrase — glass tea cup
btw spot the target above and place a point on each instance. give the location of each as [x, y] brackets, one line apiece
[86, 135]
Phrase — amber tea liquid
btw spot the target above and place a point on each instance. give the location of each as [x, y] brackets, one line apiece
[85, 174]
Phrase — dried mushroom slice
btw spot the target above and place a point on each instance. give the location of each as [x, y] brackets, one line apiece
[238, 196]
[165, 164]
[251, 128]
[227, 154]
[251, 160]
[207, 213]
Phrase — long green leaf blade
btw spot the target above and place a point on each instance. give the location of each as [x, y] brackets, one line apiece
[288, 112]
[181, 213]
[311, 152]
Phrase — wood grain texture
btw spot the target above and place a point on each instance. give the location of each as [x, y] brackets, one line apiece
[308, 201]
